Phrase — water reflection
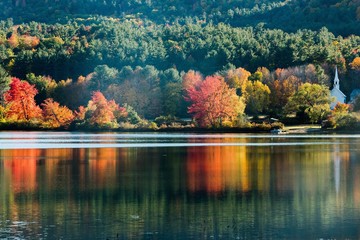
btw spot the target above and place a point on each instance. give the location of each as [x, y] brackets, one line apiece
[242, 191]
[215, 169]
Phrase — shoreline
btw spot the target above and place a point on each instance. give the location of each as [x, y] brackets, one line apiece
[294, 129]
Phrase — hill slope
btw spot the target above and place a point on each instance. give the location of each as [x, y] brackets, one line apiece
[340, 17]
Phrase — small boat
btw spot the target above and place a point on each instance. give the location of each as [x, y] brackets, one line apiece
[277, 131]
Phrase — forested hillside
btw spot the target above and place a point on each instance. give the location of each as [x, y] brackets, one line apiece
[75, 48]
[109, 62]
[341, 17]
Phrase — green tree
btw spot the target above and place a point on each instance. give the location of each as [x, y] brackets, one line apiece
[4, 83]
[132, 116]
[102, 77]
[311, 101]
[173, 99]
[44, 84]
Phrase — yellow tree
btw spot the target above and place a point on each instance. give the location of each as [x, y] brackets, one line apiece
[257, 97]
[237, 78]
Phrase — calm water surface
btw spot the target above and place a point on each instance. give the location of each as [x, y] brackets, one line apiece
[179, 186]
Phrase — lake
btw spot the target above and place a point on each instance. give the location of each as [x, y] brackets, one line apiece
[62, 185]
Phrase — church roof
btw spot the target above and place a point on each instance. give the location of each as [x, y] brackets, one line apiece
[337, 90]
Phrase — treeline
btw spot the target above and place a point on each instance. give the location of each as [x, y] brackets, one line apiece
[148, 98]
[341, 17]
[136, 70]
[74, 49]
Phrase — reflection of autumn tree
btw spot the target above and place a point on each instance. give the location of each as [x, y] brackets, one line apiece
[216, 169]
[355, 170]
[28, 169]
[292, 175]
[102, 166]
[254, 181]
[23, 165]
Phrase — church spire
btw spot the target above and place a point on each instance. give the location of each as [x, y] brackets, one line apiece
[336, 79]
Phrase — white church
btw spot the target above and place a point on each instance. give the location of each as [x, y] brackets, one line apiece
[336, 93]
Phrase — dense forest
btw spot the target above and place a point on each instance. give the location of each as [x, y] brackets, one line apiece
[341, 17]
[145, 59]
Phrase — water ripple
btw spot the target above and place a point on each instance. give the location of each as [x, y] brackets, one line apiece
[45, 140]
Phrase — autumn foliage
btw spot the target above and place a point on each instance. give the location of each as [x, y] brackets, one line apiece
[21, 102]
[102, 111]
[191, 79]
[213, 103]
[355, 64]
[56, 115]
[237, 78]
[20, 105]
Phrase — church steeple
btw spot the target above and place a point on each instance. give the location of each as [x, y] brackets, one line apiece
[336, 79]
[339, 96]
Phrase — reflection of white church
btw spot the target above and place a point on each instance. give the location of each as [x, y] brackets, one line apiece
[336, 93]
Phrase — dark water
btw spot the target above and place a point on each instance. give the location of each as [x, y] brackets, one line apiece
[171, 186]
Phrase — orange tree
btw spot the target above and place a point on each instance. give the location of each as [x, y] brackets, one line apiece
[56, 115]
[102, 112]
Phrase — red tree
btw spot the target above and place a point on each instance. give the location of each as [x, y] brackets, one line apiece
[213, 102]
[21, 102]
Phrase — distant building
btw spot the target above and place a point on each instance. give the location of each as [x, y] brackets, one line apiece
[339, 96]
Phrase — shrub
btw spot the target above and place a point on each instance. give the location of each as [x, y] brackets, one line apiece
[340, 118]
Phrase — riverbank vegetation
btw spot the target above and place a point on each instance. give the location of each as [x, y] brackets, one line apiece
[128, 71]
